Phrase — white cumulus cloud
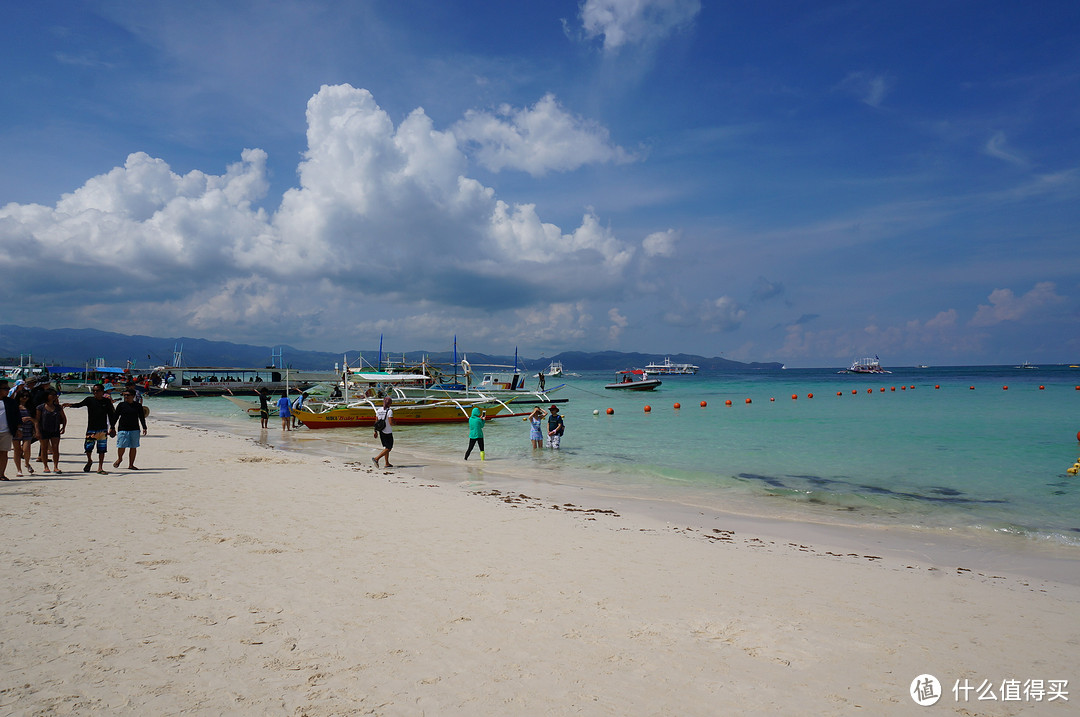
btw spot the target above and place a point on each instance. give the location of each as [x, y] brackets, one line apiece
[384, 218]
[537, 139]
[1006, 306]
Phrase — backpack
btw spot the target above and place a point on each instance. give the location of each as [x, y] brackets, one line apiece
[380, 422]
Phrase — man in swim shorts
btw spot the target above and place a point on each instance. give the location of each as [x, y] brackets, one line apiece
[100, 418]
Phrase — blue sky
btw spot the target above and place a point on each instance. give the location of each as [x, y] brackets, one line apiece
[772, 181]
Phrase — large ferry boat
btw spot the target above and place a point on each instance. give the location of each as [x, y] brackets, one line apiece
[866, 365]
[668, 368]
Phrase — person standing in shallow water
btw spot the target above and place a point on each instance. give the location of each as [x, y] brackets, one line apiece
[555, 428]
[264, 407]
[476, 432]
[285, 412]
[536, 430]
[386, 435]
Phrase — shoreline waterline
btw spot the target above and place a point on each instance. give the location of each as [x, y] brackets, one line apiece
[552, 483]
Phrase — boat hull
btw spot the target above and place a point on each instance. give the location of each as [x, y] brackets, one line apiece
[361, 416]
[646, 385]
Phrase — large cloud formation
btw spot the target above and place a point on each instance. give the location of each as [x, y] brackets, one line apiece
[385, 218]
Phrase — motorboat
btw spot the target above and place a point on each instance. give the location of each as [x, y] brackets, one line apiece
[633, 379]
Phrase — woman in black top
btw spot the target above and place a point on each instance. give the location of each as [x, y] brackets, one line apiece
[51, 424]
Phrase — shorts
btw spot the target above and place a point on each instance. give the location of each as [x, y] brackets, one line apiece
[127, 439]
[92, 438]
[264, 414]
[387, 440]
[554, 441]
[5, 442]
[47, 436]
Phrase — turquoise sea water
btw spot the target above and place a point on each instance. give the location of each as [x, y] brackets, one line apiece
[929, 451]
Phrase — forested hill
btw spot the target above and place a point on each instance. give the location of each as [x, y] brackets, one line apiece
[76, 347]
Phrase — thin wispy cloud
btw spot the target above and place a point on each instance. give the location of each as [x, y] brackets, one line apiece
[636, 22]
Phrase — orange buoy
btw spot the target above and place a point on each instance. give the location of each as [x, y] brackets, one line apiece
[869, 390]
[794, 397]
[774, 399]
[853, 392]
[972, 388]
[893, 388]
[704, 404]
[610, 411]
[883, 389]
[839, 393]
[809, 395]
[911, 387]
[1042, 388]
[648, 409]
[937, 385]
[749, 401]
[902, 388]
[678, 405]
[1004, 388]
[1078, 435]
[726, 403]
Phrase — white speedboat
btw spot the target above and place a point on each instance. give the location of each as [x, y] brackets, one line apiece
[633, 379]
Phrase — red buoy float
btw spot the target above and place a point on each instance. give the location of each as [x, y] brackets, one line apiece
[726, 403]
[610, 411]
[704, 404]
[749, 401]
[648, 409]
[678, 405]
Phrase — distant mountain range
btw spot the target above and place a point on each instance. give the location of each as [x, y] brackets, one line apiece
[77, 347]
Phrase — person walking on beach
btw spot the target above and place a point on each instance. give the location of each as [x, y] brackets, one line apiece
[129, 416]
[284, 412]
[476, 432]
[9, 426]
[385, 432]
[100, 418]
[555, 427]
[264, 407]
[52, 421]
[26, 435]
[535, 420]
[540, 381]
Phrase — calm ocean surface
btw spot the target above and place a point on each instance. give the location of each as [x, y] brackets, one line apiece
[935, 455]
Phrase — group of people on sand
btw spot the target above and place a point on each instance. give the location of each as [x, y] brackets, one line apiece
[31, 412]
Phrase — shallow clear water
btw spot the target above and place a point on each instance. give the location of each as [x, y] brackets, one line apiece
[933, 452]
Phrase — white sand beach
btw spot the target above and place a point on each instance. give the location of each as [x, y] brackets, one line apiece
[226, 577]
